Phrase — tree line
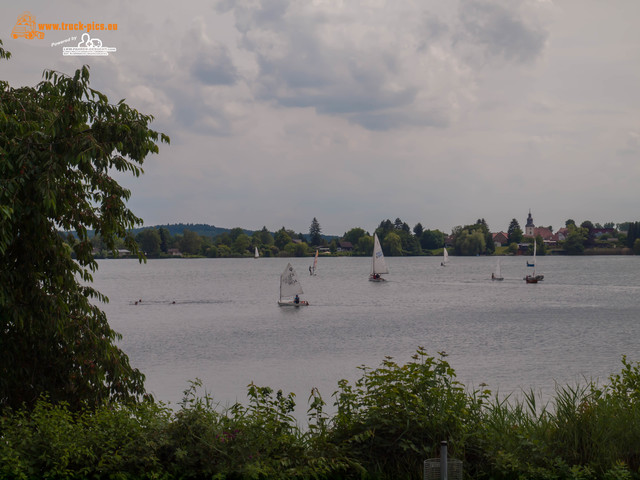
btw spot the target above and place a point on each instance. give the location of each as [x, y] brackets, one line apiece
[397, 239]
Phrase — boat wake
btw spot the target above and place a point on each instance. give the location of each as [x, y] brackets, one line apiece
[176, 302]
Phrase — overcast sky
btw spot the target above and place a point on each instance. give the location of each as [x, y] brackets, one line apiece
[438, 112]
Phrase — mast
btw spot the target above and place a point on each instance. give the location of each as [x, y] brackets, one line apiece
[534, 256]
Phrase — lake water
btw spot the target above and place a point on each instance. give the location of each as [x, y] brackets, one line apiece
[226, 328]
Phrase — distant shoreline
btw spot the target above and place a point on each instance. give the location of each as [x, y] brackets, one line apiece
[587, 253]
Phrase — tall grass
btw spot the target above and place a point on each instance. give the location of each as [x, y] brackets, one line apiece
[386, 424]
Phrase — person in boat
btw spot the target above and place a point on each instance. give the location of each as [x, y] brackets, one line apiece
[296, 300]
[493, 276]
[310, 270]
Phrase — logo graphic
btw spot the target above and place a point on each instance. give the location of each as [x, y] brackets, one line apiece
[26, 27]
[88, 47]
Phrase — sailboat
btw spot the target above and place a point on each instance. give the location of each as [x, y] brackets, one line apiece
[290, 287]
[312, 269]
[497, 275]
[534, 278]
[255, 253]
[378, 265]
[445, 257]
[533, 262]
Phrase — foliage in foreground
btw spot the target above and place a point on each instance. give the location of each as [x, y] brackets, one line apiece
[386, 424]
[59, 143]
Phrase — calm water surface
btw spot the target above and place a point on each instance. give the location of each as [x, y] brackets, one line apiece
[226, 328]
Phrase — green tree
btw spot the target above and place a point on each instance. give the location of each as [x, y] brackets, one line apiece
[432, 239]
[281, 238]
[364, 245]
[59, 142]
[149, 241]
[354, 235]
[590, 240]
[165, 239]
[393, 244]
[410, 244]
[541, 248]
[235, 233]
[483, 223]
[315, 233]
[569, 221]
[482, 226]
[296, 249]
[514, 232]
[224, 239]
[241, 244]
[191, 242]
[633, 232]
[469, 242]
[387, 226]
[636, 246]
[262, 237]
[418, 230]
[490, 246]
[574, 244]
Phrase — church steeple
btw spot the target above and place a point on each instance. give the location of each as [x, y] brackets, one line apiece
[529, 227]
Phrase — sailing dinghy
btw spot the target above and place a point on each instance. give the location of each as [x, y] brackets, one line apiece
[534, 278]
[497, 275]
[378, 265]
[312, 269]
[290, 287]
[256, 254]
[445, 257]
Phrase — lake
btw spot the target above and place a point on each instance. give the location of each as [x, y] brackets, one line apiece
[226, 328]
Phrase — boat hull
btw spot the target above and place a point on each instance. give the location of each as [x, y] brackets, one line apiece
[376, 279]
[530, 279]
[302, 303]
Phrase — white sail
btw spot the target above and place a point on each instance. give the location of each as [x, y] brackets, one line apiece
[289, 284]
[315, 263]
[378, 265]
[535, 244]
[445, 253]
[256, 254]
[498, 273]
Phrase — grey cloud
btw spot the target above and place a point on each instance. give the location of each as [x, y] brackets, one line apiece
[213, 66]
[372, 74]
[502, 32]
[192, 112]
[383, 121]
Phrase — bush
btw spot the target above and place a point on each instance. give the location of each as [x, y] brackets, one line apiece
[395, 417]
[387, 423]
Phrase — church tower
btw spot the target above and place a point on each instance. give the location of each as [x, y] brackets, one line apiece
[529, 227]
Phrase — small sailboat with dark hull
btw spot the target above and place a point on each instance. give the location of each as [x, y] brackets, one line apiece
[533, 278]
